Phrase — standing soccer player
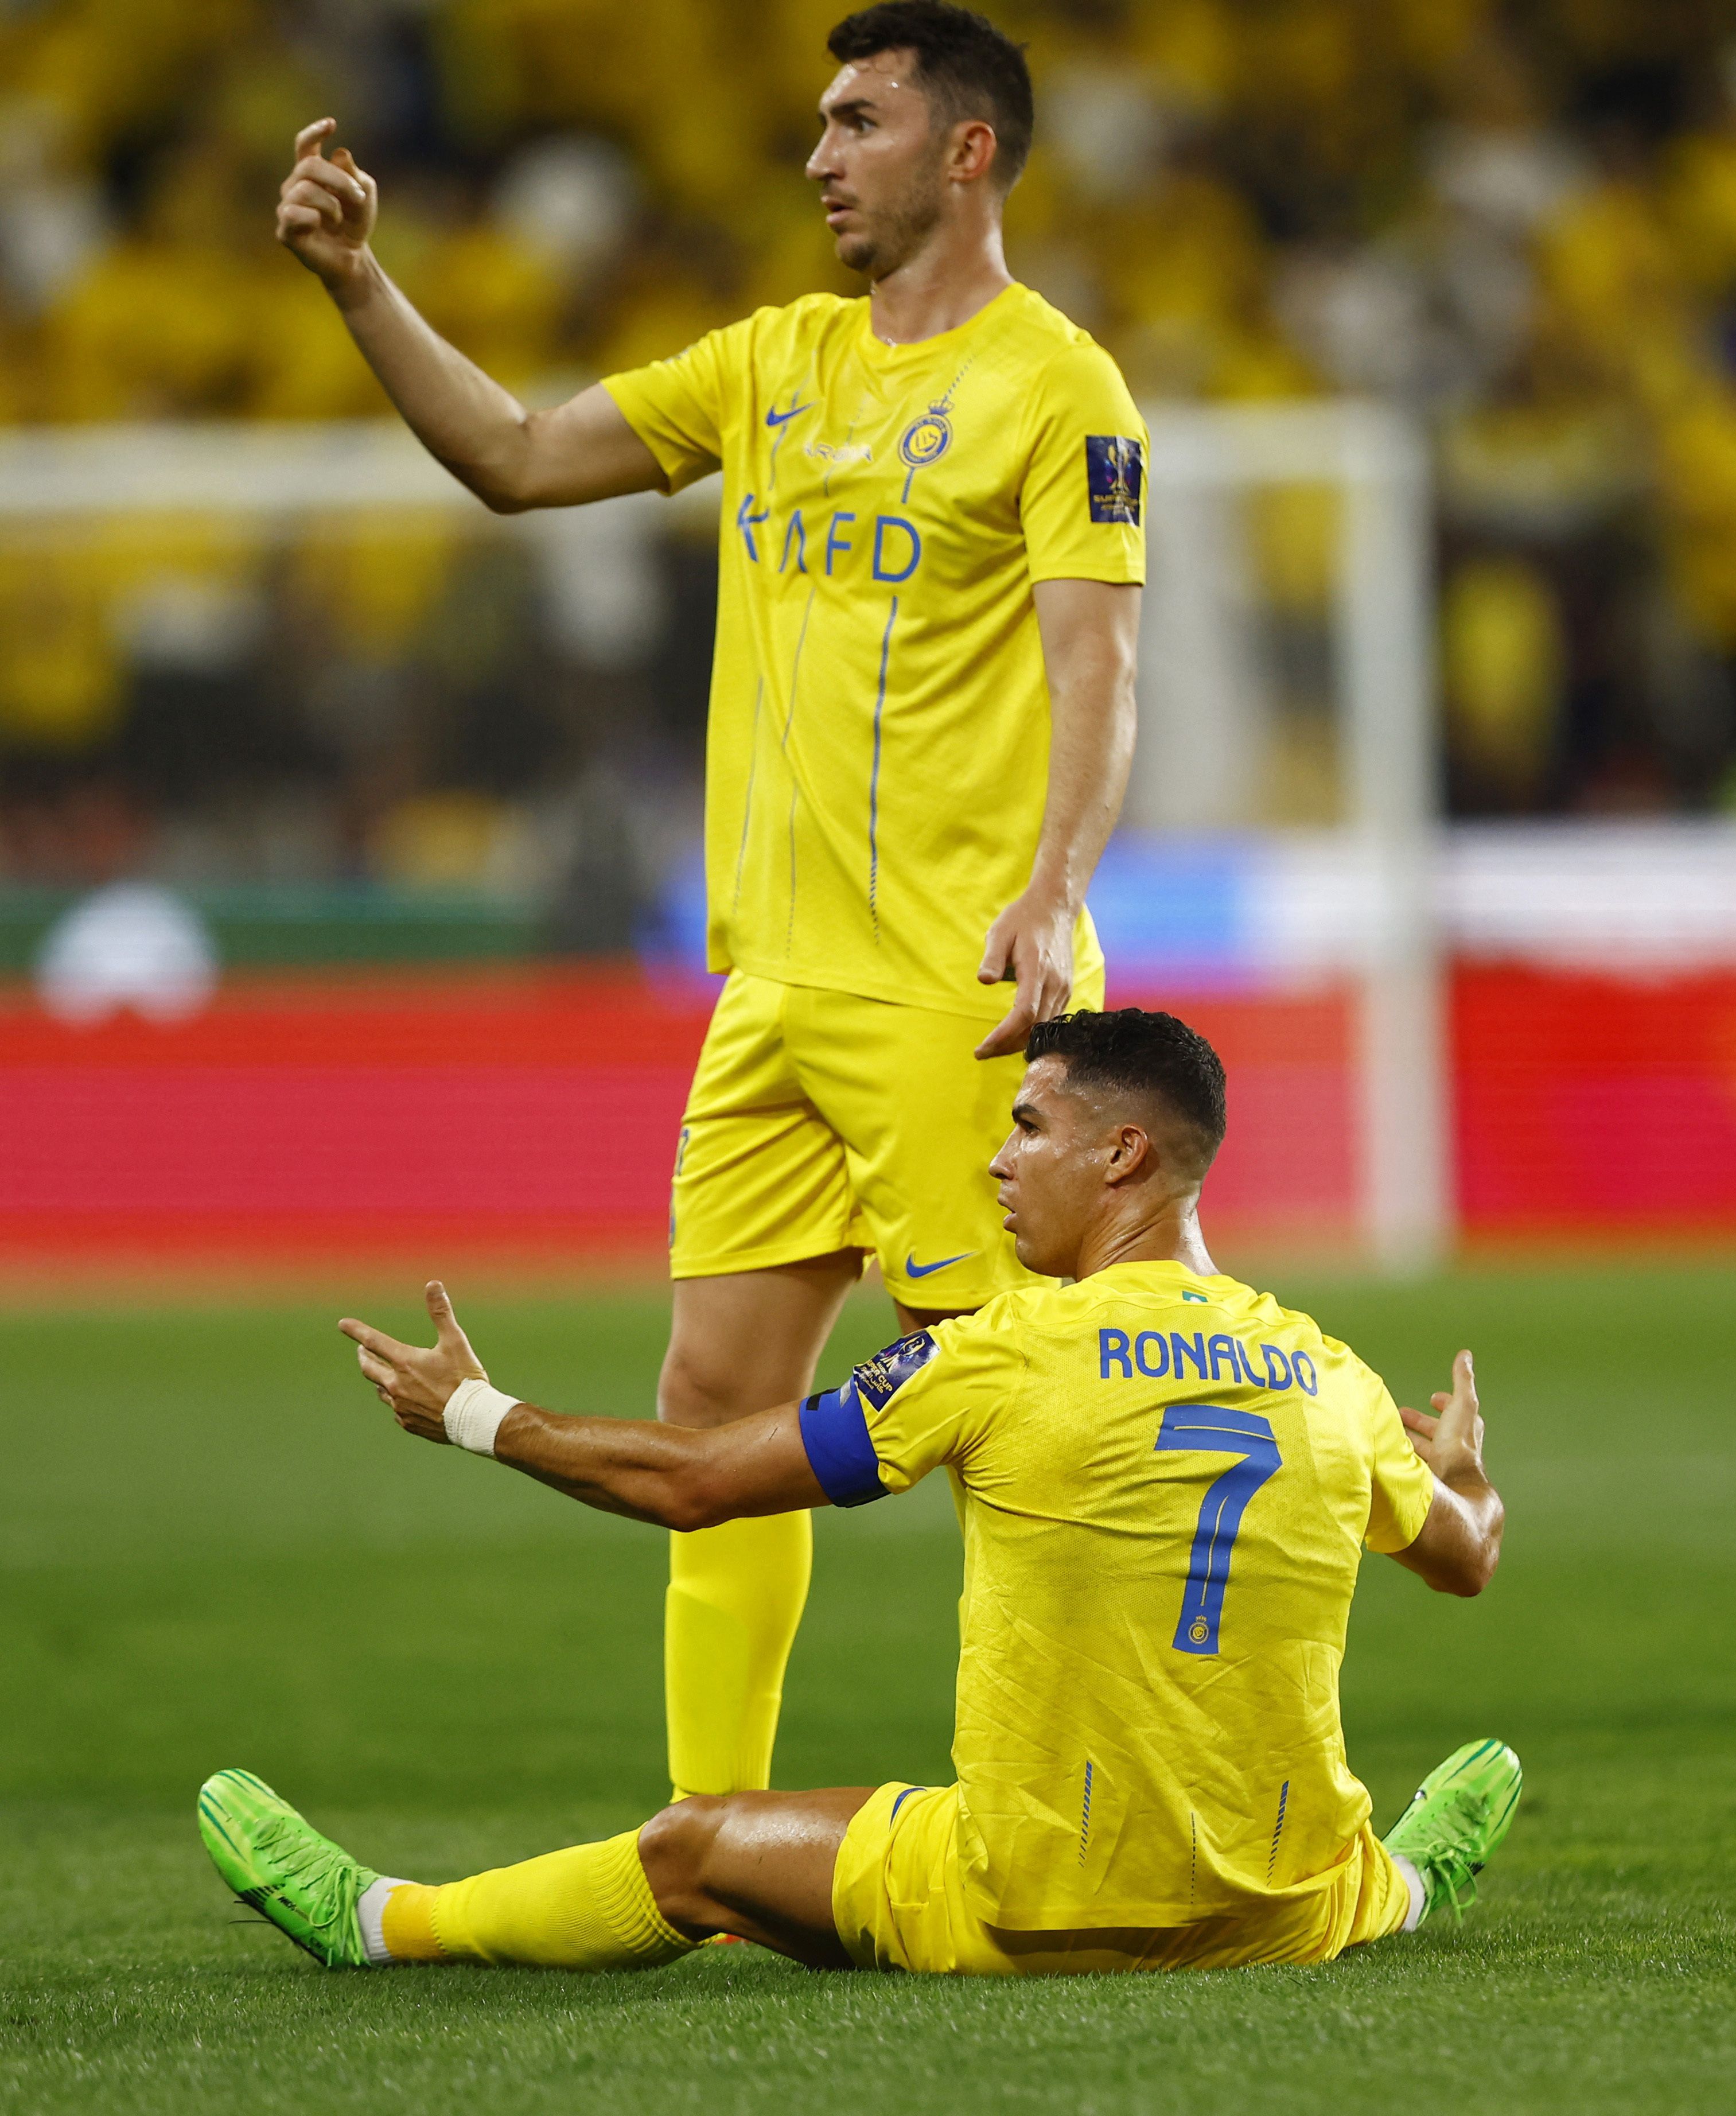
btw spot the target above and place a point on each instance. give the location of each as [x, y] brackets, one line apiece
[921, 720]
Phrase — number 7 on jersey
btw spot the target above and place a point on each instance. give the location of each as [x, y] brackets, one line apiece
[1205, 1428]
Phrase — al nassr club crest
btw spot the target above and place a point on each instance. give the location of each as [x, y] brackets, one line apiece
[925, 440]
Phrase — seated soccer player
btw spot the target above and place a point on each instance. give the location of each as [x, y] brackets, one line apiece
[1167, 1483]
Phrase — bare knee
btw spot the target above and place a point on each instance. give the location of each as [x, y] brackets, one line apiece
[675, 1849]
[746, 1341]
[696, 1387]
[705, 1382]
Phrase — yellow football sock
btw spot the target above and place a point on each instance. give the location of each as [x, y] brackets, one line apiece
[406, 1923]
[588, 1907]
[736, 1596]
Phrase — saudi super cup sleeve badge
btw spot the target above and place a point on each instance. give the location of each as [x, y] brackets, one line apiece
[1115, 476]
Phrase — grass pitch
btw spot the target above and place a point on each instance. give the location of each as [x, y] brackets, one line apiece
[215, 1548]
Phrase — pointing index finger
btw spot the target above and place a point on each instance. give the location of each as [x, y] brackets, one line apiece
[311, 139]
[375, 1340]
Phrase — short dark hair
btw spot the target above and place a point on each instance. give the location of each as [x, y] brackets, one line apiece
[1142, 1053]
[968, 68]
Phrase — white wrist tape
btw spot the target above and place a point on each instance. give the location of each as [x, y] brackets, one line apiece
[473, 1413]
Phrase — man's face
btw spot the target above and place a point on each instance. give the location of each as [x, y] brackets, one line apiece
[1051, 1170]
[880, 163]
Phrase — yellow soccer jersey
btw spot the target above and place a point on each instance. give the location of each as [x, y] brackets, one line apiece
[1167, 1482]
[878, 754]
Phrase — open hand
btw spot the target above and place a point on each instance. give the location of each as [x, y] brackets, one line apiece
[1033, 941]
[1451, 1443]
[417, 1382]
[326, 207]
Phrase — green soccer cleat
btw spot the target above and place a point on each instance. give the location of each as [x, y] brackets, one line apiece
[282, 1866]
[1461, 1812]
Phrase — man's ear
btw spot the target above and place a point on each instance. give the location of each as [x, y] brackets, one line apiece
[1130, 1153]
[973, 150]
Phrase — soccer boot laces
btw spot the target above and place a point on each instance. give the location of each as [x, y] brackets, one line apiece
[280, 1866]
[1457, 1820]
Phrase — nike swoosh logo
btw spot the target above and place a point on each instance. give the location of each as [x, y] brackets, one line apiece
[912, 1269]
[776, 418]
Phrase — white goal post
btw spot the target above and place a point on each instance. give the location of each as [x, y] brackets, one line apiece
[1195, 739]
[1194, 735]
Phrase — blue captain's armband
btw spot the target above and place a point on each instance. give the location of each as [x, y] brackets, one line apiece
[834, 1430]
[834, 1425]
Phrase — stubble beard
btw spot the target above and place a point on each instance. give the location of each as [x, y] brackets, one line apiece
[900, 231]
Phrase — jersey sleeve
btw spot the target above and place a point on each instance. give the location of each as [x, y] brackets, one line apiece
[1082, 503]
[926, 1401]
[1401, 1484]
[680, 407]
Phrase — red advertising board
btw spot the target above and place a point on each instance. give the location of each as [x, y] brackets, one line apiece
[536, 1112]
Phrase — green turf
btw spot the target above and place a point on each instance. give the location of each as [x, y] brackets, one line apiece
[215, 1548]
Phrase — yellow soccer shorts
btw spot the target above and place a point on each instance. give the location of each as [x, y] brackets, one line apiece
[819, 1120]
[897, 1897]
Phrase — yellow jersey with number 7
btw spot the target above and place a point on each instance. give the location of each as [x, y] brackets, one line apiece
[1167, 1481]
[878, 750]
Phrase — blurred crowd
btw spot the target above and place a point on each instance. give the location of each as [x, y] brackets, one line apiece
[1518, 222]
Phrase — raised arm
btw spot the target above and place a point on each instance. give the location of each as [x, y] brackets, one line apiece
[512, 458]
[676, 1476]
[1460, 1544]
[1091, 631]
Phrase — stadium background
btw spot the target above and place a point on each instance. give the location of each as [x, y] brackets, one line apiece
[419, 790]
[432, 789]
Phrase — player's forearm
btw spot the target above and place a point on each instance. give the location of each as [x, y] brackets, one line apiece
[675, 1476]
[1089, 629]
[1460, 1545]
[1091, 728]
[1090, 634]
[634, 1466]
[1485, 1519]
[478, 431]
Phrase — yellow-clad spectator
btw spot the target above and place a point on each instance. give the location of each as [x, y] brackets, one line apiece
[496, 299]
[71, 599]
[675, 75]
[1697, 467]
[61, 670]
[1612, 272]
[163, 324]
[1505, 662]
[374, 576]
[123, 69]
[1699, 205]
[301, 362]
